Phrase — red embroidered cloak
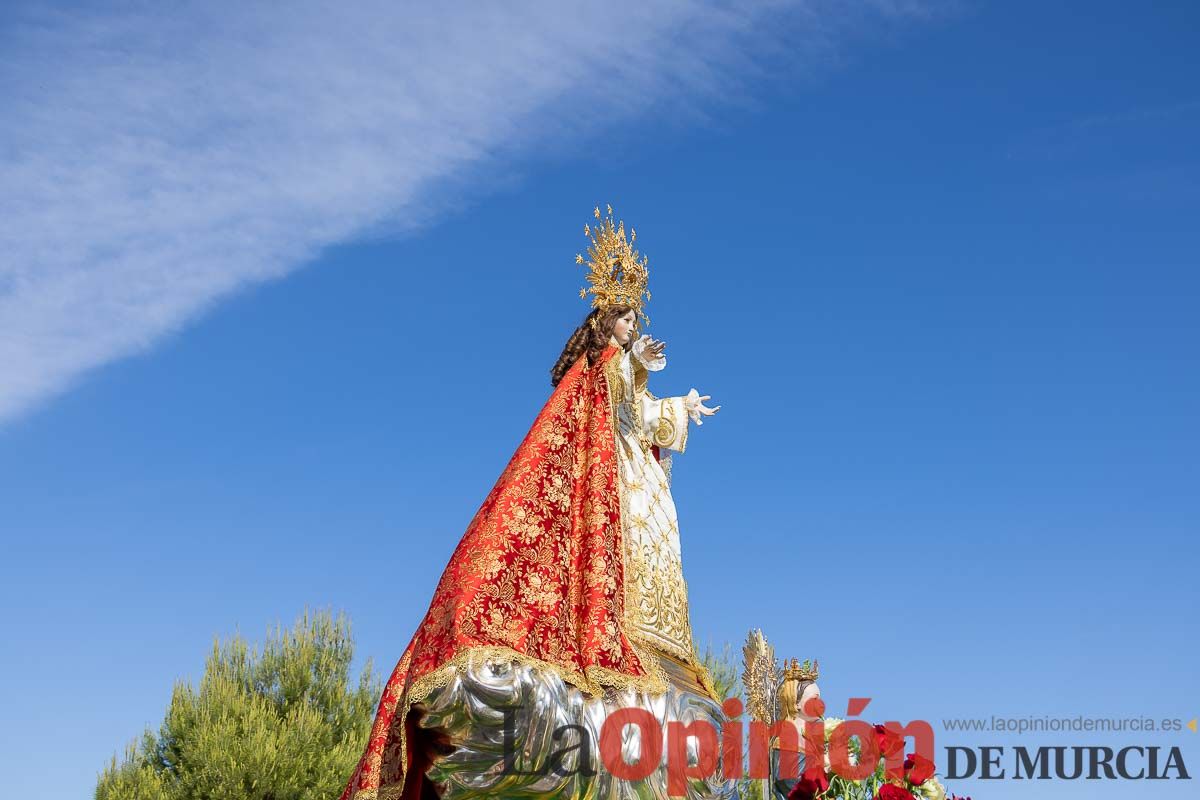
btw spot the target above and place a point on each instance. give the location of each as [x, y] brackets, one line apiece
[538, 577]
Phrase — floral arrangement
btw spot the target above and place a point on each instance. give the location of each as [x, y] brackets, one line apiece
[917, 781]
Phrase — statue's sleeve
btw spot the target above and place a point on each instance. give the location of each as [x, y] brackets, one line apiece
[664, 420]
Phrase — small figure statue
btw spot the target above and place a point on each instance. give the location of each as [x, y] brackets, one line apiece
[774, 696]
[799, 687]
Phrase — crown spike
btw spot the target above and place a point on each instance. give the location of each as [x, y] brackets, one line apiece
[801, 671]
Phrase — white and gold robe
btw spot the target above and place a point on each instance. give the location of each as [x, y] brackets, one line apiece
[656, 589]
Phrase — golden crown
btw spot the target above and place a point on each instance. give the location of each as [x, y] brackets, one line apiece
[807, 671]
[616, 271]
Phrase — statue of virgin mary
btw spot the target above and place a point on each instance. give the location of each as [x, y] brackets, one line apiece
[565, 599]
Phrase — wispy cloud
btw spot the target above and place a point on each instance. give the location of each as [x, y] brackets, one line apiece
[155, 158]
[1131, 132]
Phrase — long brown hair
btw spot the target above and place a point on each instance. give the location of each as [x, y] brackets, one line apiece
[588, 339]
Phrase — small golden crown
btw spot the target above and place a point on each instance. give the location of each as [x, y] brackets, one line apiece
[616, 272]
[807, 671]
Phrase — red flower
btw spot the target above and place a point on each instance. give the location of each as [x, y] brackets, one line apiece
[890, 743]
[811, 784]
[890, 791]
[918, 769]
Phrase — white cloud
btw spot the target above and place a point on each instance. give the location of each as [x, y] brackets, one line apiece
[154, 159]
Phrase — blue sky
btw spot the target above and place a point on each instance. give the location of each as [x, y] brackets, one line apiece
[281, 296]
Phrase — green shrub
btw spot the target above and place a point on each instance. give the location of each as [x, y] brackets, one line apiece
[277, 723]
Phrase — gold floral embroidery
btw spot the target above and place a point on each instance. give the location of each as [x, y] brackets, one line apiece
[619, 387]
[640, 374]
[665, 434]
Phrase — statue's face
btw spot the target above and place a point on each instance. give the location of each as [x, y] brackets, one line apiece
[811, 692]
[624, 326]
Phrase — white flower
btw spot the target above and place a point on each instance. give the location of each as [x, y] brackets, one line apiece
[831, 723]
[850, 754]
[932, 789]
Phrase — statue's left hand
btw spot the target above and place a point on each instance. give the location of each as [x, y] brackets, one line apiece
[694, 403]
